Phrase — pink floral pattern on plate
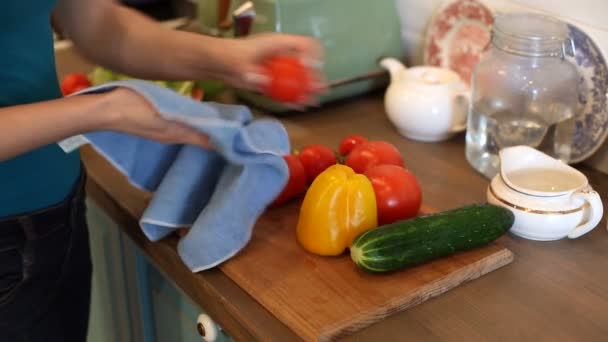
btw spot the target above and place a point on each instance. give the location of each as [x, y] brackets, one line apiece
[458, 35]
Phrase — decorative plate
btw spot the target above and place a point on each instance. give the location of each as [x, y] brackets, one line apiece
[457, 36]
[591, 126]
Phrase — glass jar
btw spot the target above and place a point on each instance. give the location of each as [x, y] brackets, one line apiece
[522, 89]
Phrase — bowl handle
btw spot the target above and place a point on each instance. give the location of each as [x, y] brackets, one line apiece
[596, 211]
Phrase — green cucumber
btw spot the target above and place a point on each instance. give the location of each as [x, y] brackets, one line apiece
[414, 241]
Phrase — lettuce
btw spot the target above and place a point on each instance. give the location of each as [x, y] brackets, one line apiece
[100, 75]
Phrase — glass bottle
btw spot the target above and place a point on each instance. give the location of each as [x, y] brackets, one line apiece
[522, 89]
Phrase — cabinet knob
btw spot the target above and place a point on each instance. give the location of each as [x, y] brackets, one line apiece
[206, 328]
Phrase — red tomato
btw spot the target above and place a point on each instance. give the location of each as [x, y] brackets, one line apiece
[73, 83]
[296, 185]
[289, 79]
[372, 153]
[350, 142]
[316, 158]
[398, 194]
[197, 93]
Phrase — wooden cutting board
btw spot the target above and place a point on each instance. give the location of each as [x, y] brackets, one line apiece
[325, 298]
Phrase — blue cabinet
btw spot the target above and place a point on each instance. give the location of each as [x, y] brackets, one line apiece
[132, 300]
[170, 315]
[111, 316]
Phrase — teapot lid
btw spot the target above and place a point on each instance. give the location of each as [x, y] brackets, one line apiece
[432, 76]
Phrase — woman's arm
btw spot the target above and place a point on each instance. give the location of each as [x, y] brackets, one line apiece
[26, 127]
[126, 41]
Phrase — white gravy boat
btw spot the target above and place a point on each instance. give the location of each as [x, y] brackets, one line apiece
[550, 199]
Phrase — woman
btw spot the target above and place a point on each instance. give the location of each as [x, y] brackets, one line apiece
[45, 270]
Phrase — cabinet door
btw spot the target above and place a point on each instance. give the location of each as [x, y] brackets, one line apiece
[110, 312]
[168, 314]
[131, 299]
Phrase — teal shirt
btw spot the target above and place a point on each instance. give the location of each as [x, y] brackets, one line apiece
[44, 176]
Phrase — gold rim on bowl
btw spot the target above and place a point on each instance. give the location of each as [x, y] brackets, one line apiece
[536, 211]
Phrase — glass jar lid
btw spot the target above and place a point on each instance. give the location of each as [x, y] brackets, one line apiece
[529, 34]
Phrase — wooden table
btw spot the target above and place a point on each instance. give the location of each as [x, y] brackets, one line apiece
[552, 291]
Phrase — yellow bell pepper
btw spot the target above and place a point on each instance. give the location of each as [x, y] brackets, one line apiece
[338, 206]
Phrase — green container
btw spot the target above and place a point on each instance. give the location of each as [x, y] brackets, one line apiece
[354, 33]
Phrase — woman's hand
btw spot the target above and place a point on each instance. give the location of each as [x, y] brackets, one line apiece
[29, 126]
[133, 114]
[124, 40]
[242, 65]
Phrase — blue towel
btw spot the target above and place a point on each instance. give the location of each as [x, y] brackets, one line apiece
[219, 194]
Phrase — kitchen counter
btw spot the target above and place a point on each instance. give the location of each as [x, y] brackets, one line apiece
[551, 291]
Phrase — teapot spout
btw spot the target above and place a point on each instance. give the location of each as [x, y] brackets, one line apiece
[394, 67]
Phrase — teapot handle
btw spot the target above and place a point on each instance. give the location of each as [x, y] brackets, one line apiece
[461, 102]
[595, 212]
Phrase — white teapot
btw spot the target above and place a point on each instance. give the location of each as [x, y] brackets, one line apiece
[425, 103]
